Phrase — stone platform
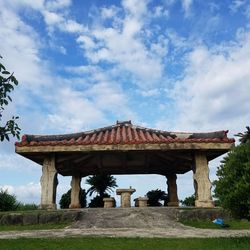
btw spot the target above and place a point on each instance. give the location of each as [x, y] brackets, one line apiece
[134, 217]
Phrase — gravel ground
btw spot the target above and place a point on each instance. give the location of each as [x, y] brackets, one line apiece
[177, 232]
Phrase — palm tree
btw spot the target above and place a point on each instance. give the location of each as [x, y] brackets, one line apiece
[101, 184]
[244, 137]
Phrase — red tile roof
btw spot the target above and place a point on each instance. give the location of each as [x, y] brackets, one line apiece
[123, 133]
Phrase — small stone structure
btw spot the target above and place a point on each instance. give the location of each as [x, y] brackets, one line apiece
[142, 201]
[125, 196]
[109, 202]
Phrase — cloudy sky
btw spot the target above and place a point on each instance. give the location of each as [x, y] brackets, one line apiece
[176, 65]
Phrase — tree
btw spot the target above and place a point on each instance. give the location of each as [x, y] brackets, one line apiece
[100, 184]
[7, 83]
[245, 136]
[189, 201]
[154, 197]
[97, 201]
[8, 202]
[233, 185]
[66, 199]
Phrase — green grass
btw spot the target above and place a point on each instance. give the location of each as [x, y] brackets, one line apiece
[234, 224]
[32, 227]
[127, 243]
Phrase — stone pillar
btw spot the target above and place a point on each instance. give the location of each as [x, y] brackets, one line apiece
[125, 196]
[49, 184]
[109, 202]
[202, 184]
[143, 201]
[75, 192]
[172, 191]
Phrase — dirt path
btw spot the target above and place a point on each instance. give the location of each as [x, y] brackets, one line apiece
[182, 232]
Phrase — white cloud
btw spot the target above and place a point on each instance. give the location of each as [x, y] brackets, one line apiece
[29, 193]
[52, 18]
[214, 91]
[58, 4]
[236, 5]
[186, 5]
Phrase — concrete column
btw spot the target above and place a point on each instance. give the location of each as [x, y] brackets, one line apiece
[172, 191]
[202, 183]
[75, 192]
[49, 184]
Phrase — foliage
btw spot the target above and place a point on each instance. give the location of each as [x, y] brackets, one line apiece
[98, 201]
[7, 83]
[244, 137]
[8, 202]
[233, 185]
[189, 201]
[154, 196]
[101, 184]
[27, 207]
[66, 199]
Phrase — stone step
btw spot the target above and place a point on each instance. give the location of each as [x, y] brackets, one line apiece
[148, 217]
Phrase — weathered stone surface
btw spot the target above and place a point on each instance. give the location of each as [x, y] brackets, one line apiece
[142, 201]
[49, 184]
[172, 191]
[202, 183]
[202, 214]
[109, 202]
[30, 218]
[75, 192]
[50, 218]
[69, 216]
[145, 217]
[125, 196]
[11, 219]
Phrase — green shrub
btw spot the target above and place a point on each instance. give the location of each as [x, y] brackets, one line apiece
[189, 201]
[154, 197]
[27, 207]
[66, 199]
[8, 202]
[98, 201]
[233, 185]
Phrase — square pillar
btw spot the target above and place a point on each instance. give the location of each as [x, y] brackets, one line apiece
[49, 184]
[172, 190]
[202, 183]
[75, 192]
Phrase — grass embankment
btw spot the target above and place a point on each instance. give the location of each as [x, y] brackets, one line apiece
[233, 224]
[127, 243]
[32, 227]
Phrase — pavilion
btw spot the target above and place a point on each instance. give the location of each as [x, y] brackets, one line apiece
[124, 149]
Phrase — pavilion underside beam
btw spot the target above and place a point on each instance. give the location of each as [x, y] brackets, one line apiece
[126, 147]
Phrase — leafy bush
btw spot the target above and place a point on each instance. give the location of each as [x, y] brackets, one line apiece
[66, 199]
[8, 202]
[97, 201]
[154, 196]
[233, 185]
[26, 207]
[189, 201]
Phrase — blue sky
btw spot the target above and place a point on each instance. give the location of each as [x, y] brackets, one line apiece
[177, 65]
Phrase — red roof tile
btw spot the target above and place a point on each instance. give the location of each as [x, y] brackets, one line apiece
[123, 133]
